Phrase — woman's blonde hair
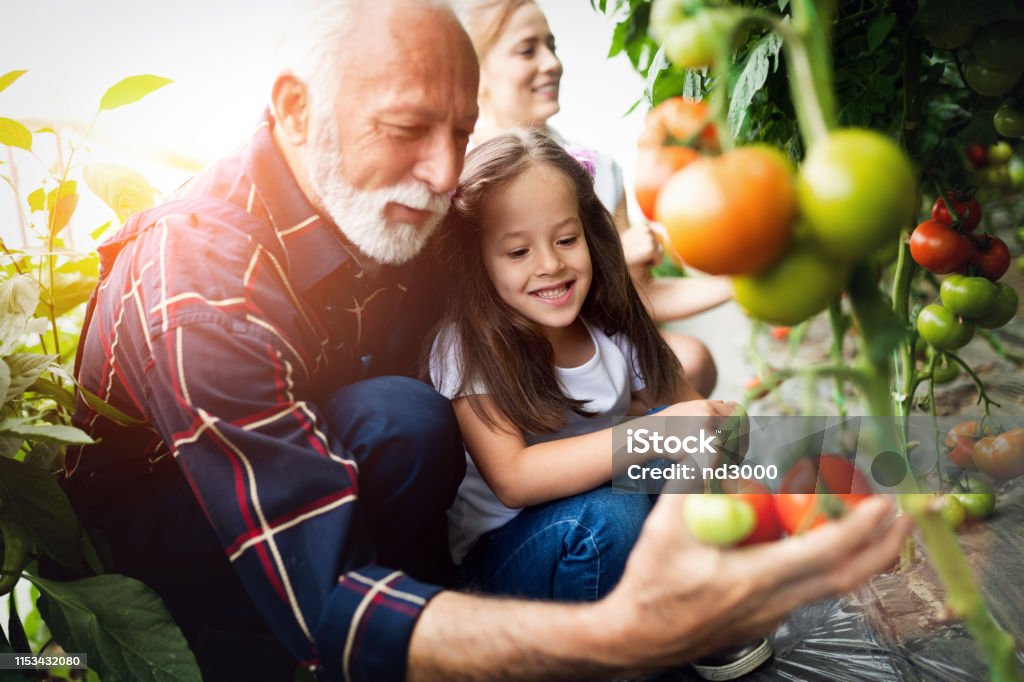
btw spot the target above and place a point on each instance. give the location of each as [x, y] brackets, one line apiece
[486, 19]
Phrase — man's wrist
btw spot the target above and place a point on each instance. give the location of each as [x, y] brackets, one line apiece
[611, 628]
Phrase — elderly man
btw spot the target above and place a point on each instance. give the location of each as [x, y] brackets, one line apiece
[281, 487]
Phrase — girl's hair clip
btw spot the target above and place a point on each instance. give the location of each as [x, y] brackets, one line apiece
[585, 157]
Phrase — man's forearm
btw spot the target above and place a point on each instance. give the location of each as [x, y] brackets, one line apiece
[464, 637]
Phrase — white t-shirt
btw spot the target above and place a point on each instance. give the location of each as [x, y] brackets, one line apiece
[606, 381]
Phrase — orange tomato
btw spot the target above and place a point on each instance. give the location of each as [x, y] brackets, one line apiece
[680, 121]
[731, 214]
[655, 165]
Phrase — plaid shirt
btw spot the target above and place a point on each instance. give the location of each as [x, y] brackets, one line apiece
[221, 320]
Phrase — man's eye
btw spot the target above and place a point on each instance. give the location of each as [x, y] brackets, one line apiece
[405, 131]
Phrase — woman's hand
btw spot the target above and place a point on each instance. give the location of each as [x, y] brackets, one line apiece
[641, 246]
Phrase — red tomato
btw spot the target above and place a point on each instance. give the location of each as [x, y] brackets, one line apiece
[992, 256]
[768, 527]
[961, 440]
[655, 165]
[940, 249]
[966, 206]
[828, 473]
[977, 155]
[799, 512]
[780, 333]
[731, 214]
[1001, 456]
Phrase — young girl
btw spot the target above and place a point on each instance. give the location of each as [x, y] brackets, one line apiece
[545, 343]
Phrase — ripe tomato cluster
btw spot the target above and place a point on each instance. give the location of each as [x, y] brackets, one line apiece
[978, 446]
[812, 493]
[787, 236]
[970, 296]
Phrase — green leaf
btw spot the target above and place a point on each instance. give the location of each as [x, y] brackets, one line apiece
[122, 626]
[25, 368]
[40, 504]
[14, 134]
[19, 642]
[51, 433]
[752, 78]
[19, 297]
[693, 85]
[658, 64]
[619, 38]
[37, 199]
[131, 89]
[106, 409]
[58, 393]
[10, 77]
[5, 380]
[73, 283]
[879, 29]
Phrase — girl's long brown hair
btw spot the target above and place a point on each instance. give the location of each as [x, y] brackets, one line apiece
[498, 350]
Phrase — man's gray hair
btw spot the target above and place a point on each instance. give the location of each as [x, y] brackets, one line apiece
[312, 46]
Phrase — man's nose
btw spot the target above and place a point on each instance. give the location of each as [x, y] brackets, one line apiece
[440, 164]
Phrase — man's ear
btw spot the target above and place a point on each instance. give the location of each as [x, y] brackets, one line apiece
[290, 102]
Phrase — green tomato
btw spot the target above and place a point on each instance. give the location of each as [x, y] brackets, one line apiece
[1000, 152]
[991, 82]
[941, 329]
[950, 36]
[998, 176]
[1020, 235]
[968, 296]
[977, 497]
[857, 191]
[792, 290]
[1015, 169]
[1004, 307]
[719, 519]
[946, 370]
[691, 44]
[952, 511]
[666, 15]
[1008, 119]
[999, 46]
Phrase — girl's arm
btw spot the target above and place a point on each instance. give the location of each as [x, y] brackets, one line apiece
[523, 476]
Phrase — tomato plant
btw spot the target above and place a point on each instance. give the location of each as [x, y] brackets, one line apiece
[857, 191]
[730, 214]
[988, 81]
[1001, 456]
[940, 249]
[952, 510]
[722, 520]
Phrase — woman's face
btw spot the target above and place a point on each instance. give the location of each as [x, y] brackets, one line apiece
[520, 74]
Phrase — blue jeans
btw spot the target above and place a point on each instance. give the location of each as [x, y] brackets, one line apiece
[572, 549]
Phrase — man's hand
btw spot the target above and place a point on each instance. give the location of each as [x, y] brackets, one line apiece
[679, 600]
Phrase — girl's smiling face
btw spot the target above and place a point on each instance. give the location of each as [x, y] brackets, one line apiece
[534, 248]
[520, 74]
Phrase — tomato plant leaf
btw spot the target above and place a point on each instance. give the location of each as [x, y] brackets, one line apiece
[37, 199]
[40, 504]
[754, 74]
[879, 29]
[19, 297]
[5, 380]
[106, 409]
[8, 78]
[19, 642]
[14, 134]
[122, 626]
[131, 89]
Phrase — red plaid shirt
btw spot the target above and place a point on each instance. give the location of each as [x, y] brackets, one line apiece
[221, 326]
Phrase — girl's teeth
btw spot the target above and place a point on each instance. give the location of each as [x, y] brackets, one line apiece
[552, 293]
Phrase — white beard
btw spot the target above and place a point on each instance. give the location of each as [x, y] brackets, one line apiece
[359, 214]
